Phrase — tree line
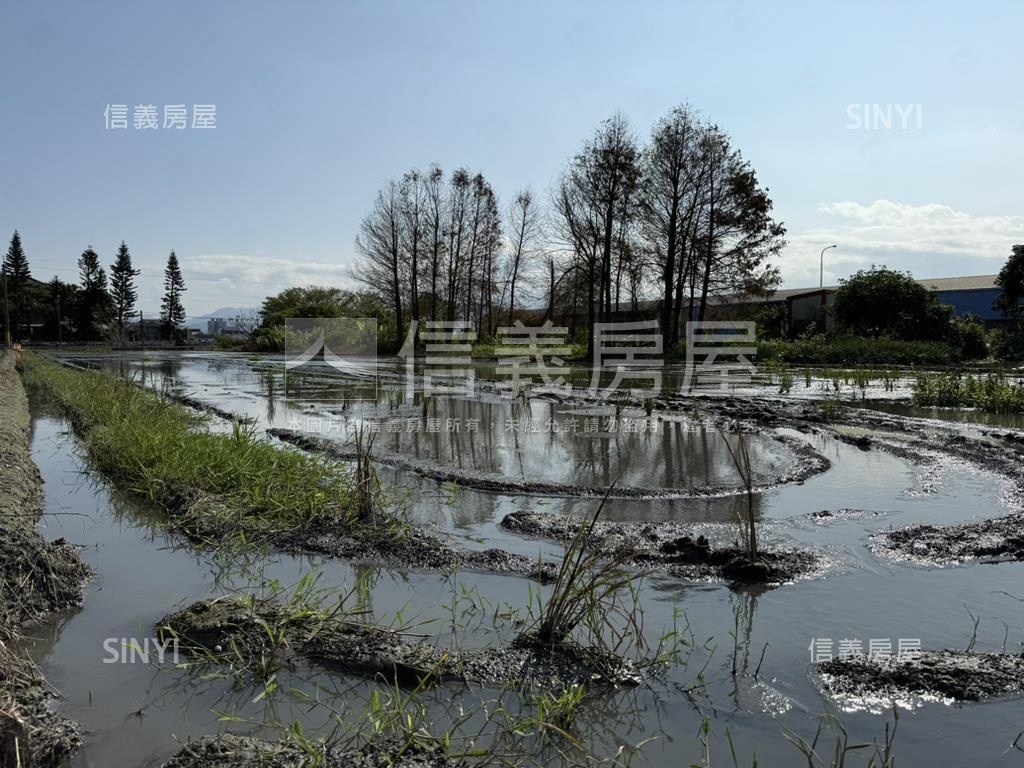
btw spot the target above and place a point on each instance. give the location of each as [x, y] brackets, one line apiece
[97, 308]
[674, 220]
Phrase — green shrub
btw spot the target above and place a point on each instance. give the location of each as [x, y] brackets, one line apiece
[853, 350]
[1007, 343]
[992, 393]
[881, 302]
[972, 336]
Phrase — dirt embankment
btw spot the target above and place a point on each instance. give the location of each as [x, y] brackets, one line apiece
[36, 578]
[235, 631]
[234, 751]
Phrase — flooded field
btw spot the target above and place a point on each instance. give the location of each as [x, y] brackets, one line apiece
[741, 680]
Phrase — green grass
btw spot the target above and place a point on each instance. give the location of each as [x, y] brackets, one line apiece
[992, 393]
[487, 350]
[823, 350]
[216, 485]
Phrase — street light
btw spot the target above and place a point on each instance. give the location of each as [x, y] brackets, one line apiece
[821, 266]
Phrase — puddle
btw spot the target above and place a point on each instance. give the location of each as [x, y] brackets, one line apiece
[131, 713]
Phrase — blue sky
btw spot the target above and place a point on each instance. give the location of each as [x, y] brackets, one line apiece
[319, 102]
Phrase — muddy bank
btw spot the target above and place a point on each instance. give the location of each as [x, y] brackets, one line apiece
[36, 577]
[234, 631]
[986, 540]
[808, 463]
[234, 751]
[930, 675]
[213, 410]
[412, 548]
[680, 550]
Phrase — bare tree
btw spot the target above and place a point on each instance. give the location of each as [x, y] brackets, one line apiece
[458, 203]
[414, 220]
[671, 195]
[433, 185]
[707, 224]
[596, 200]
[379, 242]
[524, 230]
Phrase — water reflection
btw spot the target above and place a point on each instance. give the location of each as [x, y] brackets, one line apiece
[534, 441]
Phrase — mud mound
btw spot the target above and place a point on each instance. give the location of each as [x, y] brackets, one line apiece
[237, 631]
[956, 675]
[32, 735]
[678, 549]
[414, 548]
[993, 540]
[37, 577]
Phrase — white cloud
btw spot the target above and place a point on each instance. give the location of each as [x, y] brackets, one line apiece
[214, 280]
[931, 240]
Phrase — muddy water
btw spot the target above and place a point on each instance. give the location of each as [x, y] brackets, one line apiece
[131, 713]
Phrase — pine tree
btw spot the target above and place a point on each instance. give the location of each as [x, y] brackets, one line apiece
[17, 278]
[93, 300]
[172, 312]
[122, 287]
[15, 267]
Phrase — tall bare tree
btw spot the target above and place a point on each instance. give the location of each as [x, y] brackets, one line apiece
[459, 200]
[595, 201]
[524, 232]
[433, 184]
[379, 242]
[671, 196]
[414, 221]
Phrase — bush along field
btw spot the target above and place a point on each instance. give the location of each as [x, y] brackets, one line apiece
[852, 350]
[993, 393]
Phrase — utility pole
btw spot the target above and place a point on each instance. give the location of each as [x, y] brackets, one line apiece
[7, 317]
[60, 329]
[142, 333]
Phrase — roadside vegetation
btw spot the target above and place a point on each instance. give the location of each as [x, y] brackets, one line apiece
[853, 350]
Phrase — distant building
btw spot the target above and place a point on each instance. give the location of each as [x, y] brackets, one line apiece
[810, 308]
[966, 295]
[152, 330]
[222, 326]
[807, 307]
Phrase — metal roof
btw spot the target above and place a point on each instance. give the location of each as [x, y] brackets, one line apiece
[972, 283]
[975, 283]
